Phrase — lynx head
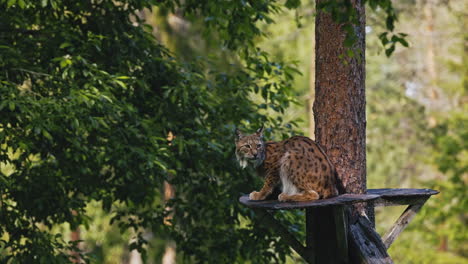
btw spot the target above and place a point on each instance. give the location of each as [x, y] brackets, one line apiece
[250, 148]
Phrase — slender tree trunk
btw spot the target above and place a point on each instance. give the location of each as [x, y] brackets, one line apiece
[340, 123]
[430, 50]
[135, 257]
[169, 256]
[76, 236]
[169, 253]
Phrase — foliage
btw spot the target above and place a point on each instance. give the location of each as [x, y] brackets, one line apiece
[88, 98]
[239, 31]
[344, 13]
[451, 158]
[430, 151]
[391, 165]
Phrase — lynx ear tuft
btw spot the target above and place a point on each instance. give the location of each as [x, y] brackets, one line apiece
[260, 132]
[239, 134]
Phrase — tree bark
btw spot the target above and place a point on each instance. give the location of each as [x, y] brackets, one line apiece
[431, 67]
[311, 97]
[75, 235]
[340, 102]
[340, 123]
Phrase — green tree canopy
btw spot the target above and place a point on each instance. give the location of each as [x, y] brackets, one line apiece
[87, 100]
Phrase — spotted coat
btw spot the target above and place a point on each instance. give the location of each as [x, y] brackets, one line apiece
[298, 165]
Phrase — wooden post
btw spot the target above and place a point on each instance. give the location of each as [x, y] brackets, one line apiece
[310, 256]
[327, 239]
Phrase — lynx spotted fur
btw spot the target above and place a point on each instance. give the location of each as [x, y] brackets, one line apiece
[298, 165]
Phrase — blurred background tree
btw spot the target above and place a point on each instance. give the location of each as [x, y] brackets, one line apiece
[89, 98]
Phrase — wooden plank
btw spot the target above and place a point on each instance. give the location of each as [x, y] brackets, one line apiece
[380, 197]
[395, 197]
[402, 223]
[388, 192]
[285, 235]
[338, 200]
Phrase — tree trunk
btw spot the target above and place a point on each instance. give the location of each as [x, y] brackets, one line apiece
[169, 256]
[430, 49]
[340, 102]
[311, 97]
[340, 123]
[169, 253]
[76, 236]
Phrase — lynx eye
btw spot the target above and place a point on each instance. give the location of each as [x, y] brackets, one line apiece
[259, 145]
[246, 146]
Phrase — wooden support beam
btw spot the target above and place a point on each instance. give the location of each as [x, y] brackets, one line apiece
[366, 247]
[341, 235]
[327, 238]
[285, 235]
[402, 222]
[310, 256]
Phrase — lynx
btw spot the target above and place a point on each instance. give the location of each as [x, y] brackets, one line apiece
[298, 165]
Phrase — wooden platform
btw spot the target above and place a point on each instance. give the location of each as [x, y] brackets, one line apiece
[380, 197]
[327, 218]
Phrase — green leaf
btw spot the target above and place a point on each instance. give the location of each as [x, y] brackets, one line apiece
[65, 62]
[121, 84]
[46, 134]
[404, 42]
[3, 104]
[390, 50]
[64, 45]
[349, 41]
[291, 4]
[11, 106]
[10, 3]
[390, 22]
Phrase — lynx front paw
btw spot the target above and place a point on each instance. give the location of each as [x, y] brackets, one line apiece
[282, 197]
[255, 196]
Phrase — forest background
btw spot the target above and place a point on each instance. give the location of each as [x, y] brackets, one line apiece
[417, 112]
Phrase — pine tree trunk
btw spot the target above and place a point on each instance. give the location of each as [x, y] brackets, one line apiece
[311, 97]
[431, 67]
[340, 124]
[340, 102]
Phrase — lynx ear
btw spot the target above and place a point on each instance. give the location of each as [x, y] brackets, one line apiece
[239, 134]
[260, 132]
